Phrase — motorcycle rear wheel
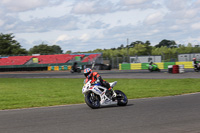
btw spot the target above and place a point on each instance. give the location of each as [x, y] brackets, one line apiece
[92, 100]
[79, 70]
[122, 99]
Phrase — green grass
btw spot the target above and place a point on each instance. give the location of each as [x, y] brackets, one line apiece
[25, 93]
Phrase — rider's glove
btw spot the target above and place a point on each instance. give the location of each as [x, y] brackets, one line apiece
[97, 81]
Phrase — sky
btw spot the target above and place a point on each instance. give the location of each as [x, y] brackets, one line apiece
[83, 25]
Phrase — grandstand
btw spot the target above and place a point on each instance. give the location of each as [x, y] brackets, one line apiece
[14, 60]
[91, 57]
[13, 63]
[55, 59]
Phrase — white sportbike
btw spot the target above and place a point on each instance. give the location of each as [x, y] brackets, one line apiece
[97, 96]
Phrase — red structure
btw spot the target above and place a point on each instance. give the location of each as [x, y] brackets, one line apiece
[91, 57]
[175, 69]
[14, 60]
[45, 59]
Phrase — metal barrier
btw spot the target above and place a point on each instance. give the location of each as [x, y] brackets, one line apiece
[161, 65]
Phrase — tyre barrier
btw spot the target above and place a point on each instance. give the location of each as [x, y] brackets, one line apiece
[58, 68]
[181, 69]
[170, 68]
[175, 69]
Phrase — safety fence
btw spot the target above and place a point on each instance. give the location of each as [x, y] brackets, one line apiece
[161, 65]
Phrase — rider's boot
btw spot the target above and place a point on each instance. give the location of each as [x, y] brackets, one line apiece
[112, 92]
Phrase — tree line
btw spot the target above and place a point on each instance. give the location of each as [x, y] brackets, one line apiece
[9, 46]
[139, 48]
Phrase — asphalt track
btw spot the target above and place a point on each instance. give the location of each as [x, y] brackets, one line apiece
[137, 74]
[173, 114]
[177, 114]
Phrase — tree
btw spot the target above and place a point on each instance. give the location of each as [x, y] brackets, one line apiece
[68, 52]
[9, 46]
[121, 47]
[189, 48]
[145, 46]
[57, 49]
[98, 51]
[168, 43]
[140, 49]
[148, 43]
[45, 49]
[136, 42]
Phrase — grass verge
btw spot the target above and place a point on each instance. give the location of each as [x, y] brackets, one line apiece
[25, 93]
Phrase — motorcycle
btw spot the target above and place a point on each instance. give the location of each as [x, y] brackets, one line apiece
[196, 68]
[97, 96]
[153, 67]
[78, 70]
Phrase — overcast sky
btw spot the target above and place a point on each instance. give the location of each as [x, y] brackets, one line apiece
[82, 25]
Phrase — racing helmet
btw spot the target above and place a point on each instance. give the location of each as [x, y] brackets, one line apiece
[87, 72]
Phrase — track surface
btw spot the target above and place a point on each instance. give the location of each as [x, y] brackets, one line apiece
[140, 74]
[179, 114]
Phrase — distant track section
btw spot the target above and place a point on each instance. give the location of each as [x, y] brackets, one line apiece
[136, 74]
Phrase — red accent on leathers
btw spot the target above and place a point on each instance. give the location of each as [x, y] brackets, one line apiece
[93, 77]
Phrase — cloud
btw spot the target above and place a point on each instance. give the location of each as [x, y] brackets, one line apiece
[40, 25]
[84, 8]
[85, 37]
[1, 22]
[64, 37]
[196, 26]
[98, 25]
[25, 5]
[154, 18]
[191, 13]
[174, 27]
[152, 32]
[175, 5]
[181, 17]
[21, 5]
[133, 2]
[80, 24]
[193, 40]
[93, 7]
[139, 4]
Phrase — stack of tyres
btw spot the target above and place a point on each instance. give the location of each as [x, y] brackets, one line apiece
[181, 69]
[49, 68]
[175, 69]
[170, 68]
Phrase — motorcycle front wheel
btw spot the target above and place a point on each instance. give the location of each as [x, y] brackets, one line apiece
[92, 100]
[122, 99]
[150, 70]
[72, 71]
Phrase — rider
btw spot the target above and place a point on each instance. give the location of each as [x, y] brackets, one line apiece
[96, 78]
[195, 64]
[74, 67]
[150, 65]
